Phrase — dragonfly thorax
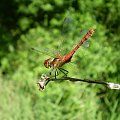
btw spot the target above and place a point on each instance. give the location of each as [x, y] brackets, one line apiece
[53, 63]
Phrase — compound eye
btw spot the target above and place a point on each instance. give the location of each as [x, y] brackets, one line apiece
[46, 63]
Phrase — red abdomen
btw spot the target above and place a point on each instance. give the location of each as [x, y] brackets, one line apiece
[68, 57]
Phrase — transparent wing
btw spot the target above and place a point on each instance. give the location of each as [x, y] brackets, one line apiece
[67, 31]
[71, 34]
[68, 26]
[46, 51]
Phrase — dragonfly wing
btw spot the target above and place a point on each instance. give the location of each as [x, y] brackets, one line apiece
[67, 26]
[67, 29]
[86, 43]
[46, 51]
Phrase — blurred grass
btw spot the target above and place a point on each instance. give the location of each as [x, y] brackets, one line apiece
[20, 103]
[38, 24]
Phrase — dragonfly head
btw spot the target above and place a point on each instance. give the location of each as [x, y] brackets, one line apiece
[47, 63]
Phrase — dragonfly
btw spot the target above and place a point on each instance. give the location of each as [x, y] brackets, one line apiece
[59, 60]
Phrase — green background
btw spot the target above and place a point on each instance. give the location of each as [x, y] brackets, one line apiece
[37, 23]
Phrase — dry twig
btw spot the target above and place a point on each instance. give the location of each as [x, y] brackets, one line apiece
[45, 79]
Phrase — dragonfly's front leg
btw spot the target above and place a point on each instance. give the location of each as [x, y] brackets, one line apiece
[65, 72]
[55, 74]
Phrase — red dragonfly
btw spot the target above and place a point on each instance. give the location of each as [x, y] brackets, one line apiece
[59, 60]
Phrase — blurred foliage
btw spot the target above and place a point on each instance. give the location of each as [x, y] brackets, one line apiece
[38, 23]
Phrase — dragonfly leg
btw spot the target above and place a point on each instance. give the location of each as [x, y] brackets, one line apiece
[49, 73]
[56, 73]
[47, 82]
[65, 72]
